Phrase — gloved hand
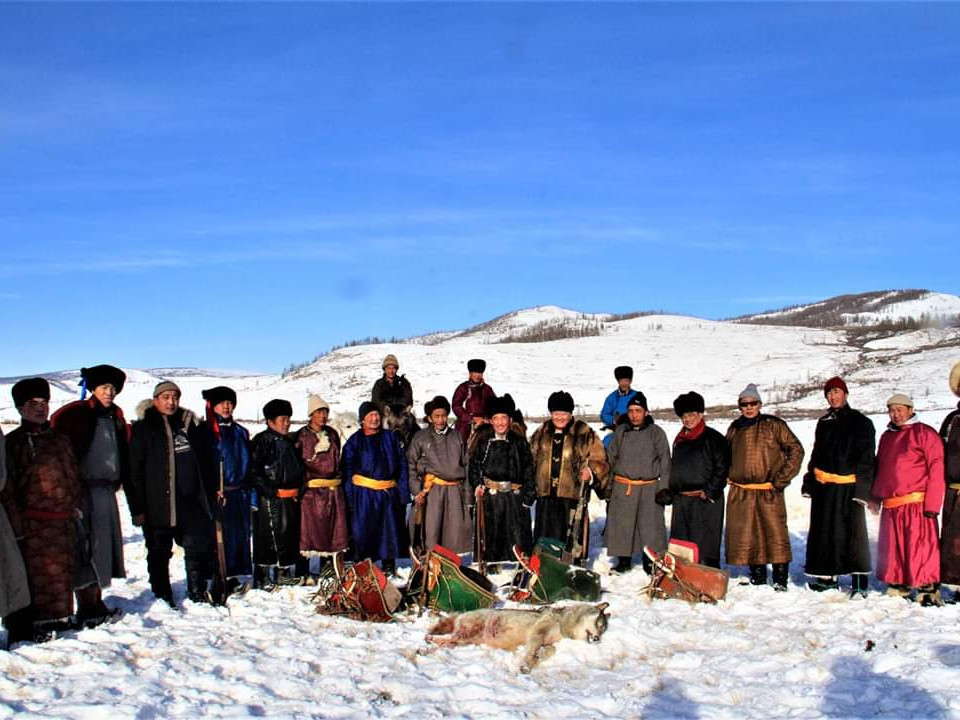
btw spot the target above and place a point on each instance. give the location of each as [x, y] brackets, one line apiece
[664, 497]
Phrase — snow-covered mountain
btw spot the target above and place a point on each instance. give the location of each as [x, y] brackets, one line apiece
[670, 354]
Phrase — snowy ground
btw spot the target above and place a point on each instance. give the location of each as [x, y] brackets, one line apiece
[757, 654]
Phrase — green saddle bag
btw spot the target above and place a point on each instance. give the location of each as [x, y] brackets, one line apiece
[449, 587]
[545, 578]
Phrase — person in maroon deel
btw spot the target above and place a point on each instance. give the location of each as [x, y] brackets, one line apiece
[470, 399]
[909, 486]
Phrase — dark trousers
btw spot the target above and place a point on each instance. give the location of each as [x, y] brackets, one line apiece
[197, 550]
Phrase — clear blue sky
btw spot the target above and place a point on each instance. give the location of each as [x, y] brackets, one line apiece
[242, 186]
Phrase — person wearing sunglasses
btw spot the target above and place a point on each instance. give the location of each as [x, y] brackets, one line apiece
[765, 457]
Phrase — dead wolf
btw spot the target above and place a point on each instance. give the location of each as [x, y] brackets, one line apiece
[535, 630]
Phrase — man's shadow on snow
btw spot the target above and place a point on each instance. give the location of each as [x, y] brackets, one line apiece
[669, 701]
[857, 691]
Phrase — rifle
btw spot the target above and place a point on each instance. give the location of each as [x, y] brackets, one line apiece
[219, 590]
[578, 530]
[480, 543]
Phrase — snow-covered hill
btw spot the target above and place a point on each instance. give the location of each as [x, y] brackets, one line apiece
[670, 354]
[906, 307]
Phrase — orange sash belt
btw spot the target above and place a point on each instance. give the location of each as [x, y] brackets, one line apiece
[287, 494]
[900, 500]
[751, 486]
[824, 478]
[372, 483]
[630, 482]
[429, 480]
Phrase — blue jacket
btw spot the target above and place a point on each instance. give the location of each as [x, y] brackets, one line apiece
[615, 404]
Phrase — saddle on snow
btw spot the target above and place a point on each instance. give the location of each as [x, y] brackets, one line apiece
[361, 592]
[678, 574]
[449, 586]
[545, 578]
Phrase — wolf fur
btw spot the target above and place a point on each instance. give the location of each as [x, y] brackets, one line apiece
[536, 631]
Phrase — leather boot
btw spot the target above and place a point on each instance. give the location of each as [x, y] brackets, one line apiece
[624, 564]
[197, 586]
[758, 574]
[647, 564]
[858, 585]
[262, 579]
[822, 584]
[287, 575]
[389, 567]
[781, 573]
[91, 610]
[929, 595]
[19, 625]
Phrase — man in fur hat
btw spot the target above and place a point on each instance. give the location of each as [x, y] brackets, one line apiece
[698, 477]
[501, 476]
[43, 497]
[615, 406]
[437, 472]
[276, 471]
[640, 465]
[765, 457]
[838, 481]
[375, 475]
[226, 462]
[324, 524]
[950, 540]
[566, 454]
[99, 434]
[168, 495]
[470, 399]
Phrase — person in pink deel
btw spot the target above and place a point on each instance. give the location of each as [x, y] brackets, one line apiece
[909, 486]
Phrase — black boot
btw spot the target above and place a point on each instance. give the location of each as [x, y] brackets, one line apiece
[197, 586]
[858, 585]
[262, 579]
[758, 574]
[929, 595]
[19, 625]
[822, 584]
[647, 564]
[389, 567]
[781, 573]
[624, 564]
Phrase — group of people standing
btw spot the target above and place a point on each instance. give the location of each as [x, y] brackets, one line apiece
[478, 485]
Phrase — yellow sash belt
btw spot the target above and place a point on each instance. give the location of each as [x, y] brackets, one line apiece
[954, 486]
[314, 483]
[429, 480]
[631, 483]
[752, 486]
[372, 483]
[824, 477]
[899, 500]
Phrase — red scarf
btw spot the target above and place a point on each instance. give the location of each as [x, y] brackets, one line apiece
[685, 435]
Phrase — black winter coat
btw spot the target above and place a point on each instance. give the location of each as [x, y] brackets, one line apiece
[845, 444]
[152, 490]
[950, 432]
[701, 464]
[399, 394]
[275, 464]
[509, 460]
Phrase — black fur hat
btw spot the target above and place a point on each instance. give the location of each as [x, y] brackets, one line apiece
[688, 402]
[560, 401]
[366, 408]
[28, 389]
[623, 372]
[502, 405]
[217, 395]
[102, 375]
[476, 365]
[276, 408]
[438, 403]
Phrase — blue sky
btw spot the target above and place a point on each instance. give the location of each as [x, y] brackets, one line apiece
[243, 186]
